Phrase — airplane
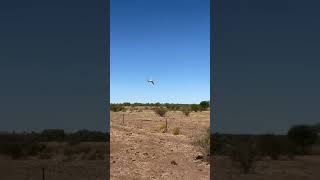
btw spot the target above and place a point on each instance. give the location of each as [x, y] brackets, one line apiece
[151, 81]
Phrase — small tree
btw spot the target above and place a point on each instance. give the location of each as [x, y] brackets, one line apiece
[126, 104]
[204, 105]
[186, 111]
[195, 107]
[303, 135]
[117, 108]
[160, 111]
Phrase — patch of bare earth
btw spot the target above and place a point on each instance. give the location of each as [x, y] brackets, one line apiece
[59, 166]
[301, 168]
[32, 170]
[138, 150]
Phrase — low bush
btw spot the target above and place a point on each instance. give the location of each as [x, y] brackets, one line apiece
[204, 105]
[117, 108]
[186, 111]
[195, 107]
[244, 154]
[275, 146]
[304, 136]
[160, 111]
[218, 142]
[176, 131]
[203, 143]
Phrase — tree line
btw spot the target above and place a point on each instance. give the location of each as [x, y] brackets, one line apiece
[245, 150]
[202, 106]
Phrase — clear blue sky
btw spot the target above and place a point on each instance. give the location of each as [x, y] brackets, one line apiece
[167, 41]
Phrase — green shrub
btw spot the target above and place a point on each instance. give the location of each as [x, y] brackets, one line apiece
[218, 142]
[195, 107]
[126, 104]
[117, 108]
[172, 107]
[303, 136]
[276, 146]
[160, 111]
[186, 111]
[204, 105]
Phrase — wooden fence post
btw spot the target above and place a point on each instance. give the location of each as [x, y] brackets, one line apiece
[43, 175]
[166, 125]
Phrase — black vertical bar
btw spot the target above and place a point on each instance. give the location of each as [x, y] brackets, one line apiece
[212, 88]
[43, 175]
[108, 85]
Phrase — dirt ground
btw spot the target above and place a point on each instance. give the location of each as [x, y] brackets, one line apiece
[58, 167]
[139, 151]
[32, 170]
[301, 168]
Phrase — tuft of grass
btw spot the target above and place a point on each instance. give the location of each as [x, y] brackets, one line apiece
[163, 128]
[176, 131]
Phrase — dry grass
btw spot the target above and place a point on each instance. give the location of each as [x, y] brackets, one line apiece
[163, 128]
[176, 131]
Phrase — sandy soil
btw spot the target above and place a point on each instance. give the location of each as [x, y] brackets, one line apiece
[140, 151]
[301, 168]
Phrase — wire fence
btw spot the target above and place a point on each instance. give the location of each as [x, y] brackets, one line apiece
[151, 121]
